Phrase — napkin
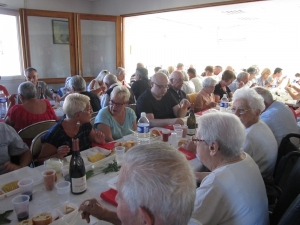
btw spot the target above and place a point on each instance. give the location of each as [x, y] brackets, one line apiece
[188, 154]
[170, 127]
[108, 146]
[109, 196]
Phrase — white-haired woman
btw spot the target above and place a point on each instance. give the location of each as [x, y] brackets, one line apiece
[116, 120]
[234, 191]
[32, 110]
[205, 98]
[96, 86]
[57, 142]
[260, 142]
[120, 74]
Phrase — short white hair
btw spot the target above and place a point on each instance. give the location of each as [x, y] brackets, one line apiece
[110, 79]
[120, 91]
[78, 83]
[254, 100]
[265, 94]
[241, 75]
[224, 128]
[75, 103]
[119, 70]
[27, 90]
[208, 82]
[159, 178]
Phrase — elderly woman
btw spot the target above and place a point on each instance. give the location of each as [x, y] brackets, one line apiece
[260, 142]
[240, 81]
[262, 80]
[57, 142]
[32, 110]
[205, 98]
[96, 86]
[120, 74]
[222, 87]
[234, 191]
[116, 120]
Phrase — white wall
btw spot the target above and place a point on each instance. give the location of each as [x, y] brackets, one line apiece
[119, 7]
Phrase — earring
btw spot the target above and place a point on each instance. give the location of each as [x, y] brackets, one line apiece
[78, 123]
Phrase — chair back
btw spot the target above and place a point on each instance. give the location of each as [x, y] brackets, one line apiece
[192, 97]
[34, 129]
[94, 114]
[36, 147]
[132, 106]
[92, 121]
[292, 214]
[290, 192]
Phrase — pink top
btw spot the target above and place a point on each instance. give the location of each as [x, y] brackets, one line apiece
[22, 118]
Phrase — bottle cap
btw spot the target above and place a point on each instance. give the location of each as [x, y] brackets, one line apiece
[143, 114]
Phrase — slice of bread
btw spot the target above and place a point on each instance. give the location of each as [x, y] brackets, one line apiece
[10, 186]
[42, 219]
[26, 222]
[95, 158]
[69, 209]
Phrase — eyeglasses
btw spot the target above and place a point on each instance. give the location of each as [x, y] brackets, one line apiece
[239, 111]
[116, 104]
[180, 80]
[161, 86]
[195, 140]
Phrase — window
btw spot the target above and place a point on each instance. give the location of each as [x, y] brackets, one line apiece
[10, 54]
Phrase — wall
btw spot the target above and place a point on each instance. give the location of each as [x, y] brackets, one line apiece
[120, 7]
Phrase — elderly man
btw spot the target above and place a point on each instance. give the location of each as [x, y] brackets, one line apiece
[175, 85]
[160, 106]
[260, 143]
[240, 81]
[78, 85]
[155, 186]
[141, 83]
[14, 152]
[277, 116]
[217, 70]
[195, 79]
[234, 192]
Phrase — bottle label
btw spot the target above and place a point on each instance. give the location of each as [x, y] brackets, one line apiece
[191, 132]
[3, 100]
[224, 104]
[143, 128]
[79, 184]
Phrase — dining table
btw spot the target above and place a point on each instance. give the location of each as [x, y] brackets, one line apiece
[97, 184]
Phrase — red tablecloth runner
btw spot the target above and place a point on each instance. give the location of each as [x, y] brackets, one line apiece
[108, 146]
[189, 155]
[110, 196]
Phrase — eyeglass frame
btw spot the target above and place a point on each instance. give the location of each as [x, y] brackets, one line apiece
[160, 86]
[194, 140]
[234, 110]
[111, 102]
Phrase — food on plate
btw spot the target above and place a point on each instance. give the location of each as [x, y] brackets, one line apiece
[69, 209]
[26, 222]
[128, 144]
[96, 157]
[155, 133]
[181, 142]
[10, 186]
[42, 219]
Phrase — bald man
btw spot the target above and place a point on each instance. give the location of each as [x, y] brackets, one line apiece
[160, 106]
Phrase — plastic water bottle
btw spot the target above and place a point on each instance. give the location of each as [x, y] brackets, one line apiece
[3, 105]
[224, 103]
[143, 128]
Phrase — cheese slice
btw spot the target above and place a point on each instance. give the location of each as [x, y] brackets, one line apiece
[96, 158]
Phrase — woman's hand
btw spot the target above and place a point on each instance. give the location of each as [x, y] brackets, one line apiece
[178, 121]
[99, 137]
[93, 208]
[12, 99]
[190, 146]
[8, 167]
[62, 151]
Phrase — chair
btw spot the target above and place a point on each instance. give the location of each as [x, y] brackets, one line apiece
[33, 130]
[36, 147]
[192, 97]
[94, 114]
[292, 214]
[289, 193]
[92, 121]
[132, 106]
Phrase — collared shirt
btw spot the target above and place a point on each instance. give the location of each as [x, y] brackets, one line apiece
[178, 95]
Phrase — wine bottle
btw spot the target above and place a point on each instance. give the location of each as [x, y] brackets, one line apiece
[77, 170]
[41, 93]
[191, 122]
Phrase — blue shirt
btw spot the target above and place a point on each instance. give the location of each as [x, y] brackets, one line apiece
[117, 130]
[280, 120]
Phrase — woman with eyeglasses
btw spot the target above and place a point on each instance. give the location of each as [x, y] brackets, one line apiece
[260, 142]
[234, 191]
[116, 120]
[57, 142]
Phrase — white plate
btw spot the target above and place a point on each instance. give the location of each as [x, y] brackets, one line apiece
[25, 172]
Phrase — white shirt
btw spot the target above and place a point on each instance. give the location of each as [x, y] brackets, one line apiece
[197, 83]
[261, 145]
[188, 87]
[234, 194]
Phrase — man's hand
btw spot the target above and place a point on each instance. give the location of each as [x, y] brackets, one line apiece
[8, 166]
[93, 208]
[178, 121]
[99, 137]
[56, 97]
[213, 104]
[184, 104]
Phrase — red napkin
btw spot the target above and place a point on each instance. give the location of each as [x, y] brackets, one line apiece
[110, 196]
[189, 155]
[170, 127]
[1, 120]
[108, 146]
